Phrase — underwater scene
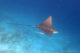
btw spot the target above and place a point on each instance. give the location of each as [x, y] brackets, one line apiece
[27, 26]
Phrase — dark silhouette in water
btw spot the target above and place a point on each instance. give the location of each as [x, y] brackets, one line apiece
[46, 26]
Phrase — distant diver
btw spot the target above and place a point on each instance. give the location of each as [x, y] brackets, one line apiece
[46, 27]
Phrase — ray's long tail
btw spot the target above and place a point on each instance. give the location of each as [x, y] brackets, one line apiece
[22, 25]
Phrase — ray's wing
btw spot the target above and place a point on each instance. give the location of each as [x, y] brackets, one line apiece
[49, 33]
[47, 22]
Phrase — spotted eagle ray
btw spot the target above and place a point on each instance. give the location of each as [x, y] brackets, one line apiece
[45, 26]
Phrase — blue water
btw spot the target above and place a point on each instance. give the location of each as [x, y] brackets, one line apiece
[24, 39]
